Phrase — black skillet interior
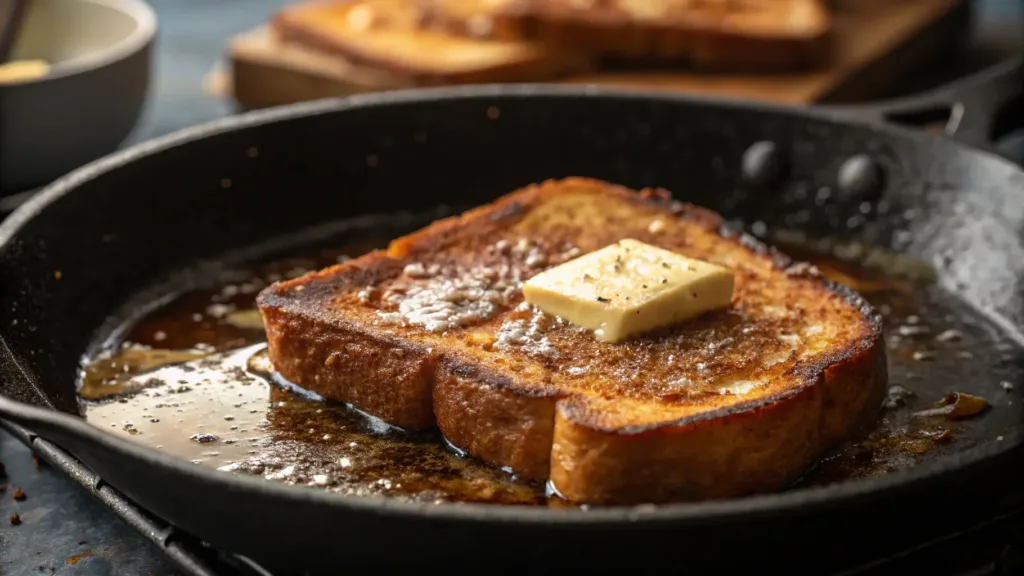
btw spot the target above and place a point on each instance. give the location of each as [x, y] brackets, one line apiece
[90, 243]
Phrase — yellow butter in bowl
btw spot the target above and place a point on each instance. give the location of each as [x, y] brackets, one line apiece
[21, 70]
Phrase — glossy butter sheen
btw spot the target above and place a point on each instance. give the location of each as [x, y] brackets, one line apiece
[629, 288]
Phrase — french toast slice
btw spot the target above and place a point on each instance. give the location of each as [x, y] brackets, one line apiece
[434, 331]
[710, 34]
[393, 36]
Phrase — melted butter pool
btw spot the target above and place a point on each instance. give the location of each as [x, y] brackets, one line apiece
[190, 378]
[227, 411]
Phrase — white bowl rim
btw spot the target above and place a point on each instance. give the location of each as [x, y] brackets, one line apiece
[145, 30]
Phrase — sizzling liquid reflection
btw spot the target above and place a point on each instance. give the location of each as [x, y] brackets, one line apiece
[212, 398]
[222, 411]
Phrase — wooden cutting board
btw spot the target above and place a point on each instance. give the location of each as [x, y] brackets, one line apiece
[877, 41]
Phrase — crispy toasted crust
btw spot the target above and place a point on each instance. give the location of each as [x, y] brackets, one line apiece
[389, 35]
[713, 34]
[731, 403]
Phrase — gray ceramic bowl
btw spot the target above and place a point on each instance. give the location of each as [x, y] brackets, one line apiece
[88, 103]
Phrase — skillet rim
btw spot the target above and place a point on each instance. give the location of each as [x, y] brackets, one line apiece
[794, 501]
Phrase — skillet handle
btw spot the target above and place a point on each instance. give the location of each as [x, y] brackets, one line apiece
[19, 383]
[967, 110]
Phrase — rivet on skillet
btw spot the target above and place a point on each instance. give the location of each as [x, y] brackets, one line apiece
[860, 178]
[762, 164]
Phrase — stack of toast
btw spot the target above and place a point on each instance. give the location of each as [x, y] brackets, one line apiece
[438, 42]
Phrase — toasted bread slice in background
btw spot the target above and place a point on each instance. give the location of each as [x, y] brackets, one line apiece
[759, 35]
[391, 35]
[434, 330]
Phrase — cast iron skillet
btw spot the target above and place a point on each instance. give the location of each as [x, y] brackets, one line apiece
[117, 226]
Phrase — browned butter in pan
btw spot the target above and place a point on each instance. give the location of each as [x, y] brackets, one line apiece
[191, 378]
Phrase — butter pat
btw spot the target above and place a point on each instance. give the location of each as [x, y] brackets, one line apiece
[629, 288]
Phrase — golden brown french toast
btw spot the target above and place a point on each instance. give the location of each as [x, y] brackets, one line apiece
[434, 330]
[392, 35]
[724, 34]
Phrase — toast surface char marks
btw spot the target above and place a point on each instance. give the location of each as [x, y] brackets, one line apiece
[663, 378]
